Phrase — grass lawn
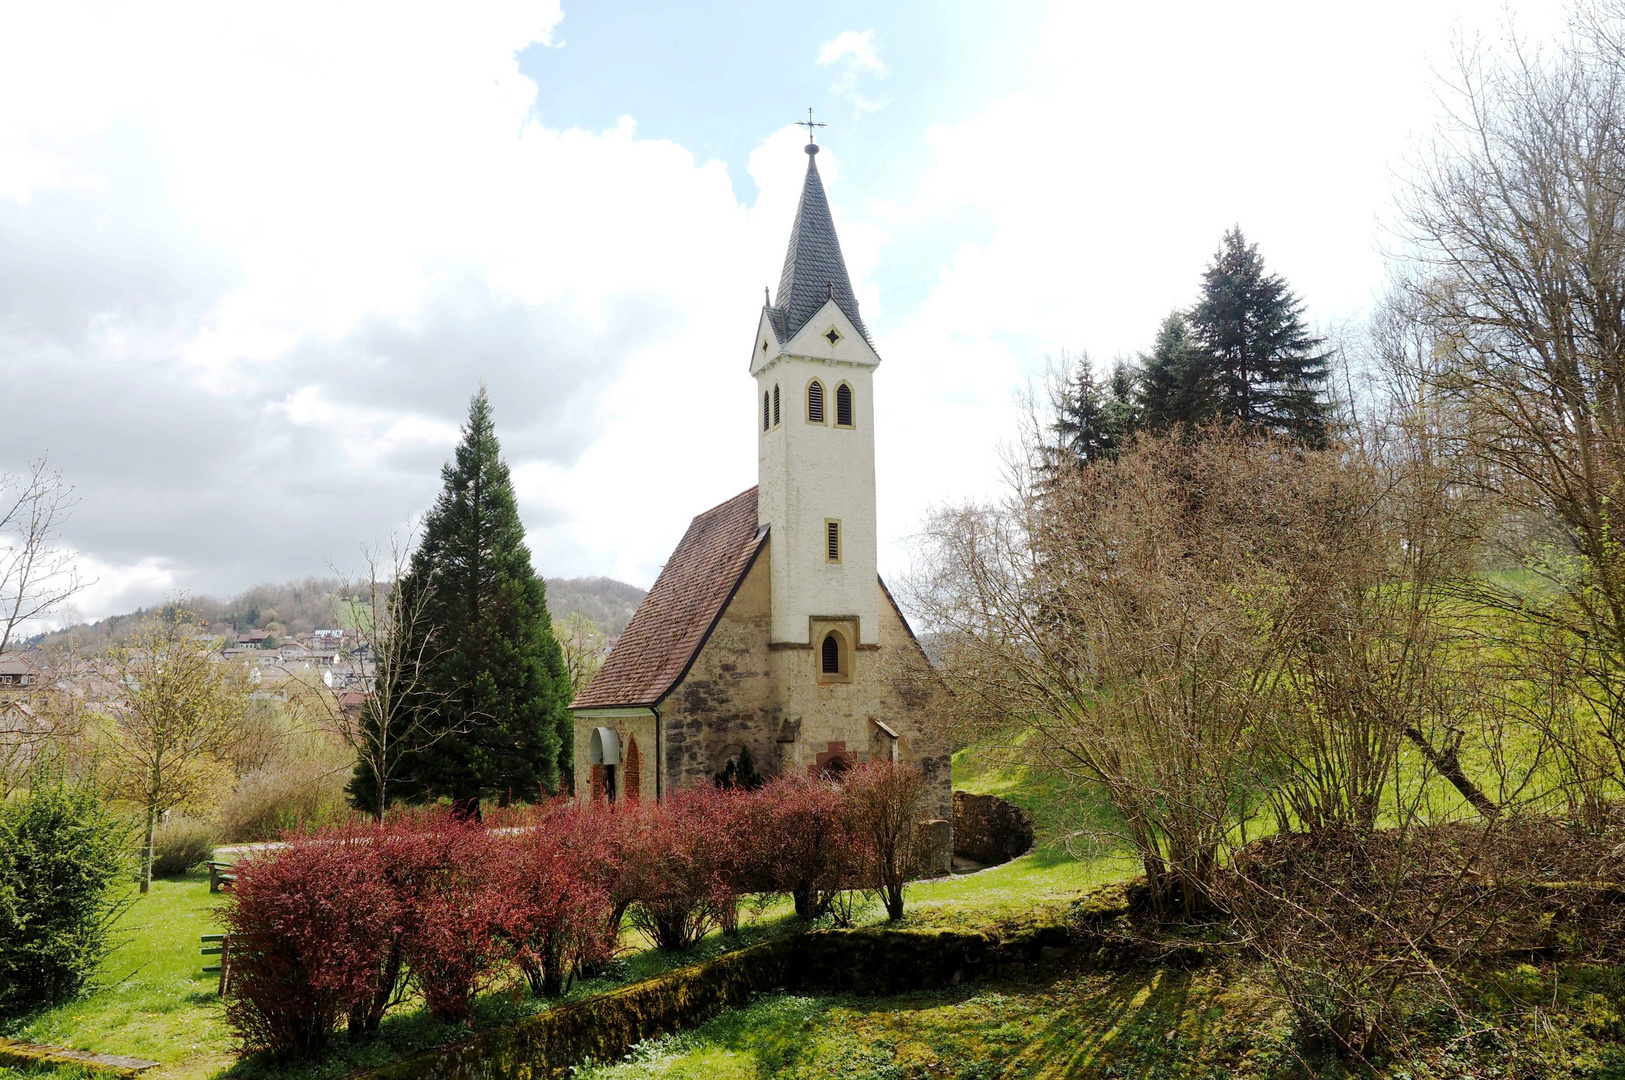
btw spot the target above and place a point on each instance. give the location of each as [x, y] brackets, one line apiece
[1142, 1024]
[1204, 1025]
[155, 1001]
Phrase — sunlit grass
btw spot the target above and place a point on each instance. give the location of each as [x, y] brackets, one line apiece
[154, 1000]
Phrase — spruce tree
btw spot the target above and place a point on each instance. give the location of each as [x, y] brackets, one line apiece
[494, 680]
[1267, 370]
[1176, 384]
[1094, 421]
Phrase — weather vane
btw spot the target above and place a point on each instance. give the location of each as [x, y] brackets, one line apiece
[809, 125]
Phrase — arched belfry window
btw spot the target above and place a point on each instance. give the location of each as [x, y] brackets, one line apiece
[815, 402]
[843, 406]
[767, 411]
[831, 659]
[775, 403]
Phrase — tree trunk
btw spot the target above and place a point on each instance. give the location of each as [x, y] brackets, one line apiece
[1449, 766]
[146, 850]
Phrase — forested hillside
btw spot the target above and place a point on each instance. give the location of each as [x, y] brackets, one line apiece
[298, 607]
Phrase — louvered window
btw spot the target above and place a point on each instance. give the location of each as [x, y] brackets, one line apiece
[843, 406]
[767, 411]
[815, 402]
[832, 655]
[832, 536]
[775, 403]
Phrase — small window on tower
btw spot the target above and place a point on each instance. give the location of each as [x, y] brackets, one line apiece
[832, 537]
[832, 655]
[775, 403]
[843, 406]
[767, 411]
[815, 402]
[832, 335]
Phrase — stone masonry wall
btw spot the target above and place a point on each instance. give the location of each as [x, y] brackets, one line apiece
[989, 829]
[726, 700]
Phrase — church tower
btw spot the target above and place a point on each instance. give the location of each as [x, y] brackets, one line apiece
[814, 368]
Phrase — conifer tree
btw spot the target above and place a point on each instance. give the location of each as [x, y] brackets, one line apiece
[1267, 370]
[1175, 385]
[1093, 421]
[494, 683]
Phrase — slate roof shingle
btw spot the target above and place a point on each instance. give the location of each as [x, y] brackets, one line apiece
[673, 621]
[813, 265]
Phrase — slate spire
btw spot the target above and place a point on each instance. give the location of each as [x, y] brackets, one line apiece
[814, 271]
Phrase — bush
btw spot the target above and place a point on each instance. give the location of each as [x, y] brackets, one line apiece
[180, 845]
[61, 851]
[884, 802]
[807, 845]
[450, 878]
[558, 914]
[267, 803]
[677, 865]
[310, 928]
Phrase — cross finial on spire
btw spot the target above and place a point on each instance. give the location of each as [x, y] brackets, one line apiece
[809, 124]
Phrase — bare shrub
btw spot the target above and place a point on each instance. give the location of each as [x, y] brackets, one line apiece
[884, 803]
[180, 844]
[291, 795]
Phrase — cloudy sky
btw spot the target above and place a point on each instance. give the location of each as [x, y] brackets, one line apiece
[255, 258]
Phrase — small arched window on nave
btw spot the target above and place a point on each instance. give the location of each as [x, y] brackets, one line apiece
[843, 405]
[815, 402]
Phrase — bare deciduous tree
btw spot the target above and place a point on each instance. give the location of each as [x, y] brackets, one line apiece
[1516, 225]
[390, 719]
[177, 712]
[37, 574]
[584, 647]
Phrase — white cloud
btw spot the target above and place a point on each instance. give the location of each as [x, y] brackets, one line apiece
[251, 274]
[856, 56]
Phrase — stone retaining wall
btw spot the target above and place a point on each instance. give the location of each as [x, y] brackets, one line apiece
[868, 961]
[990, 830]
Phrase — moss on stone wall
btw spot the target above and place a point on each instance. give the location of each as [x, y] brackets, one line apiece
[867, 961]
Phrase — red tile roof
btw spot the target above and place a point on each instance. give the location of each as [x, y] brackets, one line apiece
[674, 620]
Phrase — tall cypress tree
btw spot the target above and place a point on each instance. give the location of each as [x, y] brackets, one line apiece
[1266, 368]
[494, 678]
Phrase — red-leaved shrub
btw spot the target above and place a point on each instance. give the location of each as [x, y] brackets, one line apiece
[677, 868]
[332, 926]
[309, 926]
[557, 908]
[449, 876]
[806, 843]
[884, 802]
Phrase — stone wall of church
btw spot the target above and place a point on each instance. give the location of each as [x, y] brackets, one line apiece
[726, 701]
[891, 684]
[636, 776]
[742, 692]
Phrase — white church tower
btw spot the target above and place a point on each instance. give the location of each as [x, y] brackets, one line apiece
[814, 368]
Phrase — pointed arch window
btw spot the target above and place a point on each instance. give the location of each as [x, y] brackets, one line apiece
[815, 402]
[775, 404]
[843, 405]
[831, 658]
[767, 410]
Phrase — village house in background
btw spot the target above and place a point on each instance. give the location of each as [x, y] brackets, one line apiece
[769, 629]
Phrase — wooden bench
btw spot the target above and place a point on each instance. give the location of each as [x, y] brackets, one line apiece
[219, 945]
[220, 876]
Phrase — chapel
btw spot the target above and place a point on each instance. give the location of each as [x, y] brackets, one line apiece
[769, 629]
